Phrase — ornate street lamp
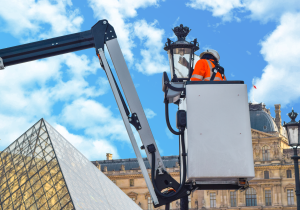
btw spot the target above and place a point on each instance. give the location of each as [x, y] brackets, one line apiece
[292, 129]
[181, 54]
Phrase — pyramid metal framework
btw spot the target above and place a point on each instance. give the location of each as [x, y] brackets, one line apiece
[42, 170]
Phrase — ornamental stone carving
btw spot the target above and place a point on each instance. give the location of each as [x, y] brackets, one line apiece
[257, 151]
[275, 150]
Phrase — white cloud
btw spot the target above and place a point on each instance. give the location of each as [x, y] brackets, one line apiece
[117, 13]
[11, 127]
[219, 8]
[269, 9]
[281, 49]
[26, 19]
[149, 113]
[153, 60]
[264, 11]
[96, 120]
[249, 53]
[90, 148]
[33, 87]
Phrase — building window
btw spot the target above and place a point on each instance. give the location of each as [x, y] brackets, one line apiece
[266, 174]
[251, 197]
[150, 206]
[290, 197]
[265, 127]
[213, 200]
[233, 199]
[266, 153]
[131, 182]
[190, 203]
[288, 174]
[268, 197]
[133, 198]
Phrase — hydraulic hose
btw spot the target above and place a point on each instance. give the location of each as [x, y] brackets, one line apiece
[184, 172]
[167, 117]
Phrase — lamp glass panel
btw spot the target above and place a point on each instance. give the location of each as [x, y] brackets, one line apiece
[182, 62]
[293, 134]
[171, 62]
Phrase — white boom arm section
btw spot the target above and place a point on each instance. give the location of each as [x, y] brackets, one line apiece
[135, 107]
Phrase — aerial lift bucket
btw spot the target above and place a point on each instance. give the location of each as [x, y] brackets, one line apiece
[218, 134]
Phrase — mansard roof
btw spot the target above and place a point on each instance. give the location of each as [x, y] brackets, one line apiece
[132, 164]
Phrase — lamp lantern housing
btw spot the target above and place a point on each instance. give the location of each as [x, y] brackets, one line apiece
[292, 129]
[181, 54]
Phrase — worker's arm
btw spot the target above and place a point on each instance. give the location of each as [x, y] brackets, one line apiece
[199, 71]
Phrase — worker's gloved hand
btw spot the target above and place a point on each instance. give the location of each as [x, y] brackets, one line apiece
[183, 61]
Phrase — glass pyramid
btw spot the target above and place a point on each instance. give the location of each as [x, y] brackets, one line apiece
[42, 170]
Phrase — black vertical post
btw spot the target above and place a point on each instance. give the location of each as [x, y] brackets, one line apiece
[184, 201]
[296, 157]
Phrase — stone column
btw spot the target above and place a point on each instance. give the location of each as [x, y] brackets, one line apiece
[226, 198]
[275, 195]
[279, 195]
[278, 117]
[241, 200]
[221, 196]
[260, 194]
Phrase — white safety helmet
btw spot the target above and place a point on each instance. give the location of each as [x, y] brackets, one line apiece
[212, 52]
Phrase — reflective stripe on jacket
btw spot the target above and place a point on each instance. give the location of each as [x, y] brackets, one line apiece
[203, 71]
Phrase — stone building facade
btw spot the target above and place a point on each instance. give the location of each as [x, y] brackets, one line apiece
[272, 188]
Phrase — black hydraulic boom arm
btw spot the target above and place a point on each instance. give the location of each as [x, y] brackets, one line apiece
[101, 32]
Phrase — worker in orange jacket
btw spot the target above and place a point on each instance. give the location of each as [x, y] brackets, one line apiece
[208, 68]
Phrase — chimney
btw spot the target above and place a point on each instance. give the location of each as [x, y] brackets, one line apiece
[108, 156]
[278, 117]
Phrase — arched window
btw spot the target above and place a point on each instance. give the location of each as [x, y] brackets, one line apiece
[266, 153]
[251, 197]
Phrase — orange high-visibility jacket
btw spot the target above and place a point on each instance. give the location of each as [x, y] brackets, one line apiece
[203, 71]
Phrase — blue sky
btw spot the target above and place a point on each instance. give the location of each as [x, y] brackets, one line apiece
[258, 42]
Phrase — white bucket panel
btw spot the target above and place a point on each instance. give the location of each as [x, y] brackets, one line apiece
[218, 132]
